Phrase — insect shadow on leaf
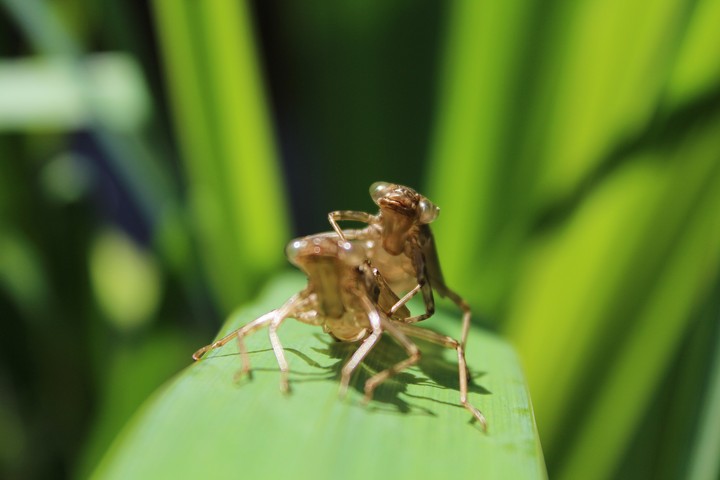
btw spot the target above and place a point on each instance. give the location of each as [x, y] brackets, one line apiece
[351, 301]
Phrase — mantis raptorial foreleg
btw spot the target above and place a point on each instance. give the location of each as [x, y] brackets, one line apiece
[348, 215]
[367, 345]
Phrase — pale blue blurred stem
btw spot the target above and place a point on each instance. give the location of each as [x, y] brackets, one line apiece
[704, 456]
[128, 154]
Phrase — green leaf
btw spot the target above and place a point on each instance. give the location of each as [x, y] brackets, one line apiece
[704, 462]
[693, 76]
[133, 371]
[619, 283]
[576, 151]
[204, 422]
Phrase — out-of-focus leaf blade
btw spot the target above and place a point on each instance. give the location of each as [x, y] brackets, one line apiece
[236, 192]
[639, 220]
[636, 368]
[704, 459]
[695, 73]
[612, 64]
[46, 95]
[127, 380]
[481, 74]
[661, 446]
[202, 421]
[573, 202]
[129, 154]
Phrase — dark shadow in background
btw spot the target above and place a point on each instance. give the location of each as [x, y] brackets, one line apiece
[663, 134]
[352, 89]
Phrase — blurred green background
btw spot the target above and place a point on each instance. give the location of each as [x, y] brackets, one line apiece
[156, 156]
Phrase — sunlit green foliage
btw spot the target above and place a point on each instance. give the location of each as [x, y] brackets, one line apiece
[235, 193]
[572, 147]
[204, 421]
[585, 153]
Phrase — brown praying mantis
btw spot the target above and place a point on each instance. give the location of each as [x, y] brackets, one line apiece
[349, 299]
[400, 245]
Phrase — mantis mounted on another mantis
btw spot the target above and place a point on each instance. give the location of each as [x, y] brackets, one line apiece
[348, 298]
[401, 246]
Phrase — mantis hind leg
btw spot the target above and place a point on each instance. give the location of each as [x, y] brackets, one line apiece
[462, 305]
[427, 262]
[448, 342]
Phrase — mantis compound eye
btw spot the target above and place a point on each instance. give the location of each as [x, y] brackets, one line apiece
[428, 211]
[377, 190]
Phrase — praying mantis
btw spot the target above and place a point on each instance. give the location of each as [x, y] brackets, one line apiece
[401, 246]
[351, 301]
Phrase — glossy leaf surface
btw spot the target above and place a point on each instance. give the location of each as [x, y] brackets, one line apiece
[204, 422]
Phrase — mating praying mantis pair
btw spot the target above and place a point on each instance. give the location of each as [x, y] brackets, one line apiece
[354, 277]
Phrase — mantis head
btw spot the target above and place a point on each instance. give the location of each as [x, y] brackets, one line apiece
[401, 208]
